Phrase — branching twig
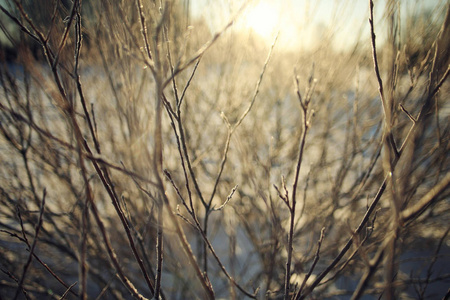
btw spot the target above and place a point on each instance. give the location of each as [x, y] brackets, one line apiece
[228, 199]
[316, 259]
[284, 197]
[306, 114]
[372, 267]
[236, 125]
[200, 52]
[33, 246]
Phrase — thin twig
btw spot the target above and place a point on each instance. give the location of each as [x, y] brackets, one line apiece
[375, 58]
[159, 253]
[69, 289]
[200, 52]
[316, 259]
[369, 272]
[258, 84]
[62, 43]
[408, 114]
[418, 208]
[125, 224]
[40, 261]
[344, 250]
[228, 199]
[33, 246]
[433, 262]
[145, 35]
[305, 127]
[236, 125]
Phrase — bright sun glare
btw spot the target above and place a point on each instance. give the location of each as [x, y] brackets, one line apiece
[263, 19]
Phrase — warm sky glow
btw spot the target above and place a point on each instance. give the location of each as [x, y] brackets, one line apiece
[266, 18]
[301, 23]
[263, 19]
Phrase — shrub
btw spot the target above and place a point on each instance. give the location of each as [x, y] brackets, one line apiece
[144, 157]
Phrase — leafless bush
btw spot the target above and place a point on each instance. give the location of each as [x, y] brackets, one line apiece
[144, 157]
